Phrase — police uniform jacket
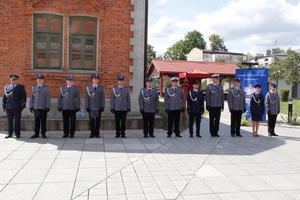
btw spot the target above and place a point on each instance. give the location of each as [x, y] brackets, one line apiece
[195, 101]
[257, 103]
[120, 99]
[174, 98]
[148, 100]
[214, 95]
[95, 98]
[40, 97]
[236, 99]
[14, 97]
[69, 98]
[273, 103]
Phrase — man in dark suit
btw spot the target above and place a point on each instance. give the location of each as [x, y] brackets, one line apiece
[40, 105]
[94, 105]
[195, 107]
[13, 102]
[149, 105]
[69, 104]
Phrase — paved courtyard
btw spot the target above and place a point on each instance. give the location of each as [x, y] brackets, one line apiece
[152, 168]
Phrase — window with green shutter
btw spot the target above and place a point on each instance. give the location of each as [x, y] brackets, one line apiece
[82, 43]
[47, 41]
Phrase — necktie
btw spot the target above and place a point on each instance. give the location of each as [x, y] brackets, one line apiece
[121, 88]
[95, 87]
[39, 87]
[149, 90]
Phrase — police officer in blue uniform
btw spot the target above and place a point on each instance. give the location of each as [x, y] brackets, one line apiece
[195, 107]
[13, 102]
[120, 105]
[149, 105]
[39, 104]
[237, 105]
[69, 104]
[174, 105]
[214, 104]
[257, 108]
[273, 108]
[94, 105]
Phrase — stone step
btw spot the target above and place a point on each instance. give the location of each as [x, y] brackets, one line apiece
[82, 124]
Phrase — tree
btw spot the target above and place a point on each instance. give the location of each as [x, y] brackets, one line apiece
[276, 70]
[217, 42]
[176, 51]
[151, 54]
[180, 49]
[245, 58]
[291, 64]
[279, 50]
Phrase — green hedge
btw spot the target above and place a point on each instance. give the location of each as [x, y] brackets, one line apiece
[284, 93]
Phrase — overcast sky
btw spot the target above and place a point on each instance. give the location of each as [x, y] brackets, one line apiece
[246, 25]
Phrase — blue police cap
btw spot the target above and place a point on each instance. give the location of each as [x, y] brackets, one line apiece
[69, 78]
[195, 82]
[215, 76]
[237, 79]
[273, 85]
[148, 79]
[258, 85]
[13, 77]
[40, 76]
[120, 78]
[174, 79]
[95, 76]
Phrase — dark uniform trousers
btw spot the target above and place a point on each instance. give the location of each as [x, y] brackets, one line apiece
[14, 114]
[40, 118]
[214, 120]
[191, 122]
[148, 120]
[271, 123]
[69, 115]
[95, 124]
[173, 117]
[236, 116]
[120, 117]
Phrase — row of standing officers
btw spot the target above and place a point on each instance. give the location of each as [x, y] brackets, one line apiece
[14, 101]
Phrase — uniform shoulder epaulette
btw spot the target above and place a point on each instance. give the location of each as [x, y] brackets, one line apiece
[46, 85]
[125, 86]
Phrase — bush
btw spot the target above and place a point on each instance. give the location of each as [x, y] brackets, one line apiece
[284, 93]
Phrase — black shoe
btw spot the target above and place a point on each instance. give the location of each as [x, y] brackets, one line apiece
[44, 136]
[145, 136]
[35, 136]
[117, 136]
[232, 135]
[217, 135]
[274, 134]
[212, 135]
[169, 135]
[178, 135]
[18, 136]
[65, 136]
[97, 136]
[71, 136]
[198, 135]
[91, 136]
[123, 136]
[239, 135]
[152, 136]
[191, 135]
[8, 136]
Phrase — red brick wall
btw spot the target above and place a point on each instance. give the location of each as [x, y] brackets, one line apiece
[113, 41]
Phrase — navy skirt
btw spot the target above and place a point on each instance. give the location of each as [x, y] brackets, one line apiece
[256, 117]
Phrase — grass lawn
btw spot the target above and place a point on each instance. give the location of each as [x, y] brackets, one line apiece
[296, 107]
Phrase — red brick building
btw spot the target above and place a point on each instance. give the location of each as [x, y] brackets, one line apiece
[72, 37]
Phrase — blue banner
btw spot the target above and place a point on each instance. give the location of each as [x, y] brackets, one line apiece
[249, 78]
